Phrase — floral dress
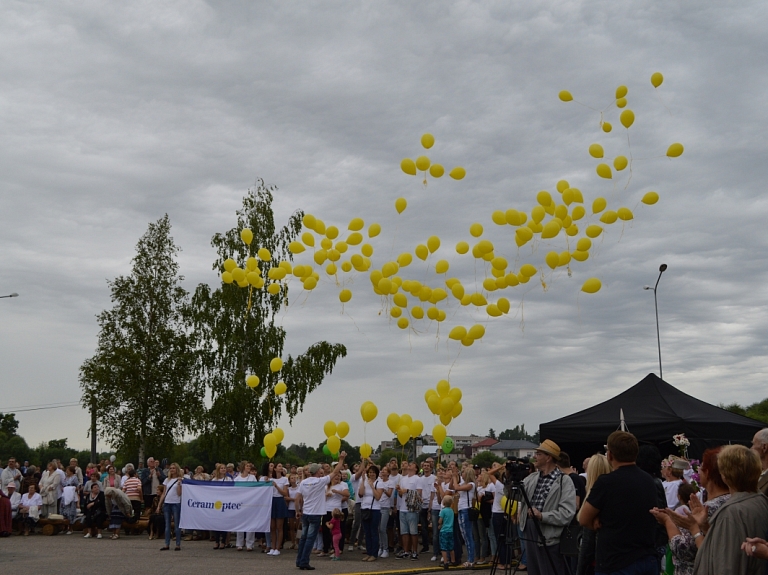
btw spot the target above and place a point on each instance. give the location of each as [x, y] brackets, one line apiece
[683, 546]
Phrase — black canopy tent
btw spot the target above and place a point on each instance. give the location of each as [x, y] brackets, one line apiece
[654, 411]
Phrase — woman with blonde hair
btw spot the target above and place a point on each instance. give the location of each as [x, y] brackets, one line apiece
[171, 504]
[598, 465]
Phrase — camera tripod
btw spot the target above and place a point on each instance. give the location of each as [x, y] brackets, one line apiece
[509, 539]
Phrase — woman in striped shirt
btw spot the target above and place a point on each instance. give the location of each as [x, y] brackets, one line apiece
[132, 488]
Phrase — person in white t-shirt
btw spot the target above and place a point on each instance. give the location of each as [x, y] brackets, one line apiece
[171, 504]
[279, 508]
[371, 491]
[310, 508]
[409, 507]
[434, 510]
[293, 489]
[393, 525]
[427, 483]
[385, 504]
[244, 538]
[357, 526]
[336, 496]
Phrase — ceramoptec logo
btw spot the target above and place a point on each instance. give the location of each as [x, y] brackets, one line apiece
[217, 505]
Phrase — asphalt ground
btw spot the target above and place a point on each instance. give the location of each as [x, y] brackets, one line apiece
[133, 554]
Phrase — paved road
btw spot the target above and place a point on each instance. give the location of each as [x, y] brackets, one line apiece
[130, 555]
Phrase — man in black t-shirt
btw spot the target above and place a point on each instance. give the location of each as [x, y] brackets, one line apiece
[618, 509]
[564, 463]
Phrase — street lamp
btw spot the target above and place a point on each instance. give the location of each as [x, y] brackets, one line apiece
[11, 295]
[662, 269]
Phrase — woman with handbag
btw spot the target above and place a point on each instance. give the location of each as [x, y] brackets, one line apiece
[370, 493]
[465, 493]
[171, 503]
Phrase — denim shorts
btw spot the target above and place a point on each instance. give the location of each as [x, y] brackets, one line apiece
[409, 523]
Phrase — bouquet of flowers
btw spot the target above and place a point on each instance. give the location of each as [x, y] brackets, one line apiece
[681, 442]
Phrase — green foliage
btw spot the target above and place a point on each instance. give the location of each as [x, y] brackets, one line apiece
[8, 425]
[388, 454]
[238, 337]
[757, 410]
[492, 433]
[141, 380]
[518, 432]
[14, 446]
[53, 449]
[486, 459]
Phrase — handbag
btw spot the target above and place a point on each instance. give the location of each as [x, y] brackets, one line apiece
[570, 540]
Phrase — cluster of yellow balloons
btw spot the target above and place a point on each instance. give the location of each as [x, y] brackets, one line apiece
[424, 164]
[404, 427]
[250, 274]
[334, 433]
[444, 401]
[271, 441]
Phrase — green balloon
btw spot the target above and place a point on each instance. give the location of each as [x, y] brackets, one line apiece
[263, 451]
[447, 445]
[326, 450]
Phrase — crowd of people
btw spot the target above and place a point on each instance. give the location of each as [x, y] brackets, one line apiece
[633, 512]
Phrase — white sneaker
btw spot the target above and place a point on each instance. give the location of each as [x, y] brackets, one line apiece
[98, 536]
[271, 552]
[87, 536]
[351, 548]
[384, 553]
[434, 558]
[379, 555]
[275, 552]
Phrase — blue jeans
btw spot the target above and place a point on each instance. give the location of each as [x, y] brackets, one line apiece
[371, 528]
[172, 509]
[466, 532]
[310, 525]
[648, 565]
[435, 531]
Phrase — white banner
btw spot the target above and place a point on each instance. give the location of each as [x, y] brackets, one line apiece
[226, 506]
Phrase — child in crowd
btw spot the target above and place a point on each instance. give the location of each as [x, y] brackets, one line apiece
[335, 527]
[446, 531]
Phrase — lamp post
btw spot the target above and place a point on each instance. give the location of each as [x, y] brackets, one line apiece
[662, 269]
[11, 295]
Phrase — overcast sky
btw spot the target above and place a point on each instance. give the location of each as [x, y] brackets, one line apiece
[114, 114]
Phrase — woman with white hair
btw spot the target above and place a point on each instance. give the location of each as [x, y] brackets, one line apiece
[50, 483]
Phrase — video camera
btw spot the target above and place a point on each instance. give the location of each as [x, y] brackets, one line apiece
[517, 469]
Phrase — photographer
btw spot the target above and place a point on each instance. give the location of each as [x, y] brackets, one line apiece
[553, 505]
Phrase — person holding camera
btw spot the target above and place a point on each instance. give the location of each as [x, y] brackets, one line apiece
[553, 506]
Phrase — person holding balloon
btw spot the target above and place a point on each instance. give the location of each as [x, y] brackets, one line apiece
[336, 496]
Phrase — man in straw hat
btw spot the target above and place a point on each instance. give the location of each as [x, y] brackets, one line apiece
[553, 506]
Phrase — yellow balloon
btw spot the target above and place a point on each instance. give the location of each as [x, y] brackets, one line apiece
[445, 419]
[446, 405]
[609, 217]
[596, 151]
[503, 305]
[334, 444]
[627, 118]
[365, 450]
[345, 295]
[246, 235]
[584, 244]
[265, 255]
[369, 411]
[551, 229]
[408, 166]
[458, 333]
[476, 230]
[342, 429]
[565, 258]
[356, 224]
[434, 404]
[403, 434]
[329, 428]
[458, 173]
[274, 289]
[400, 205]
[421, 252]
[252, 381]
[296, 247]
[416, 428]
[499, 218]
[417, 312]
[544, 198]
[393, 422]
[229, 264]
[675, 150]
[238, 274]
[599, 205]
[436, 171]
[625, 214]
[462, 247]
[578, 213]
[439, 433]
[309, 221]
[374, 230]
[527, 270]
[621, 102]
[456, 411]
[276, 364]
[604, 171]
[422, 163]
[310, 283]
[565, 96]
[650, 198]
[593, 231]
[656, 79]
[308, 239]
[270, 451]
[620, 162]
[443, 388]
[477, 331]
[552, 259]
[270, 440]
[607, 127]
[455, 394]
[592, 285]
[403, 323]
[280, 388]
[427, 140]
[433, 244]
[537, 214]
[621, 91]
[367, 250]
[400, 300]
[580, 256]
[227, 278]
[279, 434]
